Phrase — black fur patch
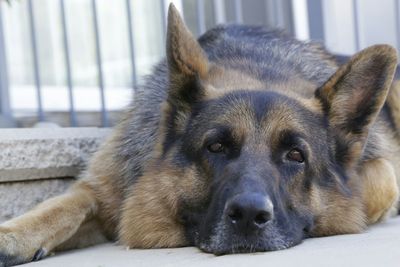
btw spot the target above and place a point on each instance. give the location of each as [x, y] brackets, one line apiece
[40, 254]
[9, 260]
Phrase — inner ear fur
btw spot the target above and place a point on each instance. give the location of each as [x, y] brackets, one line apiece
[354, 95]
[356, 92]
[187, 62]
[184, 54]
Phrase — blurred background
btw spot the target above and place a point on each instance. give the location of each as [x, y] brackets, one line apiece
[77, 62]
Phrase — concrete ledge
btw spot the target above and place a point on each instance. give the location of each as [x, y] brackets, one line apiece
[36, 164]
[18, 197]
[29, 154]
[379, 246]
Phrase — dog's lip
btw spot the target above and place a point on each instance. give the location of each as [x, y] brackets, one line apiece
[244, 249]
[248, 248]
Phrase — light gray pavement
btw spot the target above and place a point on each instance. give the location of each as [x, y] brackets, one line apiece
[379, 246]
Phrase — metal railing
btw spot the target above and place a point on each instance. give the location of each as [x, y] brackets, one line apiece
[273, 13]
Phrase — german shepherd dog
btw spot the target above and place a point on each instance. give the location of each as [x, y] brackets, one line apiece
[244, 140]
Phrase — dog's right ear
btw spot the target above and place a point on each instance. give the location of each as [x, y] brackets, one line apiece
[187, 62]
[353, 97]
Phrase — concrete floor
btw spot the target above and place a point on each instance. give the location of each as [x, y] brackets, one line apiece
[379, 246]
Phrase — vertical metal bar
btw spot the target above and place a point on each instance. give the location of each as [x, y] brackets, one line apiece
[201, 21]
[219, 11]
[238, 11]
[356, 26]
[316, 21]
[281, 19]
[104, 115]
[289, 19]
[269, 13]
[72, 111]
[397, 14]
[131, 43]
[163, 16]
[276, 13]
[5, 108]
[36, 70]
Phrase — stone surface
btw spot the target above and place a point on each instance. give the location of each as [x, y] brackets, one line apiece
[27, 154]
[17, 198]
[36, 164]
[379, 246]
[63, 118]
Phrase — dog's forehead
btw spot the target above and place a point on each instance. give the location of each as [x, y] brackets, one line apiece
[263, 112]
[246, 101]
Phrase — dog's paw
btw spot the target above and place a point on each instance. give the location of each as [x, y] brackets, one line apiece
[9, 260]
[15, 249]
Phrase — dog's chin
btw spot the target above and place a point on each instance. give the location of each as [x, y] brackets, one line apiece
[223, 241]
[243, 247]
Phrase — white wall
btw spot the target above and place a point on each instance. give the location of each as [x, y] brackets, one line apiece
[376, 24]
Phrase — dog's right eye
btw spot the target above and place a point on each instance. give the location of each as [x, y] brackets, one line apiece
[295, 155]
[216, 148]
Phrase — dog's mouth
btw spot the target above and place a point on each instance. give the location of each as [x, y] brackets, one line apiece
[224, 241]
[244, 248]
[241, 247]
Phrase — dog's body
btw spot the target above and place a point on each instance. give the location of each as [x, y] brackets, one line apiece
[251, 128]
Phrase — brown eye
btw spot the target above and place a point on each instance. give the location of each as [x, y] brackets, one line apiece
[215, 148]
[295, 155]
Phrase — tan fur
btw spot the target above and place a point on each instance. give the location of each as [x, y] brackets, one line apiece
[49, 224]
[149, 216]
[100, 177]
[375, 183]
[380, 191]
[220, 81]
[89, 233]
[336, 214]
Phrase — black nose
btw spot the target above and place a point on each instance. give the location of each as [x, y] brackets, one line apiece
[249, 212]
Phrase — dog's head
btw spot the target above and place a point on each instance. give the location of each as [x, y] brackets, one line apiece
[270, 166]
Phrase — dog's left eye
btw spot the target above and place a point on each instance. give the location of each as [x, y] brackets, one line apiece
[215, 147]
[295, 155]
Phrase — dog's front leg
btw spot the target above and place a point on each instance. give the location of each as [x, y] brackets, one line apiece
[33, 235]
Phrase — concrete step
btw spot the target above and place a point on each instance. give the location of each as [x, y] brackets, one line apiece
[378, 246]
[36, 164]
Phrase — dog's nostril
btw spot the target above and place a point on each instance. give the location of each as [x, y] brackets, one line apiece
[262, 218]
[235, 215]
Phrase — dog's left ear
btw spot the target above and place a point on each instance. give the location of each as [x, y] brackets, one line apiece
[187, 62]
[184, 54]
[355, 94]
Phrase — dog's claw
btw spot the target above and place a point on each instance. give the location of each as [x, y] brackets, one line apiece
[40, 254]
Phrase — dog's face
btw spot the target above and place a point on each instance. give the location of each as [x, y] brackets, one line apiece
[273, 167]
[259, 152]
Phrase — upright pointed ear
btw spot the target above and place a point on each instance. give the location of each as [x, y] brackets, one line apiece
[355, 94]
[187, 61]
